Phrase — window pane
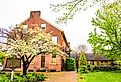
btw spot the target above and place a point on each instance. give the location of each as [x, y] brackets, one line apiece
[54, 39]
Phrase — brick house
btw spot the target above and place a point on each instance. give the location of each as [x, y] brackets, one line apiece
[47, 61]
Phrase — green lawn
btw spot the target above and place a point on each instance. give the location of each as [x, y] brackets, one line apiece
[101, 77]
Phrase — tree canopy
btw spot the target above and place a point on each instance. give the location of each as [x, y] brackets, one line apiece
[106, 37]
[26, 43]
[70, 8]
[23, 41]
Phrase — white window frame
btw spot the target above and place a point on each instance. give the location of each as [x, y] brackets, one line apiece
[54, 39]
[43, 25]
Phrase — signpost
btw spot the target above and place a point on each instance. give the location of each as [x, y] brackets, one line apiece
[13, 63]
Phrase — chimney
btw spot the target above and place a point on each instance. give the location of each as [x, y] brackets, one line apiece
[35, 14]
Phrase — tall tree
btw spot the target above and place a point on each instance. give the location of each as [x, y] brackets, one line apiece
[106, 37]
[70, 8]
[27, 43]
[82, 62]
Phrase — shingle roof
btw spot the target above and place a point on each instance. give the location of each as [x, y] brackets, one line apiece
[92, 56]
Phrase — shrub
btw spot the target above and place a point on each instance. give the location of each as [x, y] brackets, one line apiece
[20, 78]
[3, 78]
[83, 69]
[35, 77]
[41, 77]
[83, 63]
[90, 68]
[70, 64]
[32, 77]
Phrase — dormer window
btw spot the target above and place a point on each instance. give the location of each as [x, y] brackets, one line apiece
[43, 26]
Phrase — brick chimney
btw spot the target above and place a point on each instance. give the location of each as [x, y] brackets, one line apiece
[35, 14]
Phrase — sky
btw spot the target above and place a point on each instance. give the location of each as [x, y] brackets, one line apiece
[16, 11]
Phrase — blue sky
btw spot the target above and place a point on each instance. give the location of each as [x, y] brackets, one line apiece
[15, 11]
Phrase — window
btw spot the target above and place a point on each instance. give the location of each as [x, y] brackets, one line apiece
[43, 26]
[53, 61]
[54, 39]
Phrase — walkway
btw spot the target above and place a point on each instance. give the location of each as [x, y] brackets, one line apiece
[61, 76]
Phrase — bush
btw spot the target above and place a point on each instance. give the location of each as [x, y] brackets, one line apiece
[35, 77]
[31, 77]
[20, 78]
[90, 68]
[70, 64]
[83, 69]
[3, 78]
[41, 77]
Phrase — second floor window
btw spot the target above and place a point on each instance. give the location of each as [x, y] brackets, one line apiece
[43, 26]
[54, 39]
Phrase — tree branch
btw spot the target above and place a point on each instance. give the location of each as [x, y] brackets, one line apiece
[29, 56]
[5, 43]
[41, 53]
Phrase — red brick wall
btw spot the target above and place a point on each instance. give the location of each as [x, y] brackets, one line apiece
[49, 27]
[48, 59]
[36, 63]
[53, 31]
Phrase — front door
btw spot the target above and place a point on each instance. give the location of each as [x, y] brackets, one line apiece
[62, 65]
[42, 61]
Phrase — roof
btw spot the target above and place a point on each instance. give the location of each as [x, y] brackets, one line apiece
[92, 56]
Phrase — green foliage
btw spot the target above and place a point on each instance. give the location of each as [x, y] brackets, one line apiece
[20, 78]
[101, 77]
[70, 64]
[82, 59]
[3, 78]
[41, 77]
[83, 63]
[106, 37]
[90, 67]
[2, 56]
[83, 69]
[35, 77]
[70, 8]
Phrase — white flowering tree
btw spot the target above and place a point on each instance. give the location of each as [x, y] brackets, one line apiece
[27, 43]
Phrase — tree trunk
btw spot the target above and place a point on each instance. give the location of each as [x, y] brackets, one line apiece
[25, 69]
[26, 63]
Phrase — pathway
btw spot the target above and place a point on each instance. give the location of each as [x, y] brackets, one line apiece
[61, 76]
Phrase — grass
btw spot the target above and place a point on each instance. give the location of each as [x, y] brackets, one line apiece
[100, 77]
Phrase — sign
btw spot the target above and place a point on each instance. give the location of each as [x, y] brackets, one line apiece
[13, 63]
